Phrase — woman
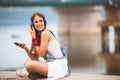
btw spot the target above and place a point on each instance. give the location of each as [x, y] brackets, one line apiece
[43, 41]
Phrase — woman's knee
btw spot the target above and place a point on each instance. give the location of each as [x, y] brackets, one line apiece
[28, 63]
[29, 66]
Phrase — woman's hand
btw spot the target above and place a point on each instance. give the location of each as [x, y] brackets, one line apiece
[32, 32]
[23, 45]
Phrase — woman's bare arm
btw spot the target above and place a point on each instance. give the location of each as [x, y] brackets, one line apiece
[41, 50]
[29, 53]
[31, 56]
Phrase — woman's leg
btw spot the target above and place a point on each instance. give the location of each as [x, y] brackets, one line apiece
[33, 66]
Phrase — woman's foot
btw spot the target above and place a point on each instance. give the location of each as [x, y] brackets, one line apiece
[22, 72]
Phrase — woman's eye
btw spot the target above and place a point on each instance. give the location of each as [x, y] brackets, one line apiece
[36, 21]
[41, 20]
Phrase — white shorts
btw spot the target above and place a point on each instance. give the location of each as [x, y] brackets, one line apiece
[57, 68]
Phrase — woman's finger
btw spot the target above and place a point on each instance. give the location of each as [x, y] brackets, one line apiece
[22, 45]
[29, 28]
[32, 31]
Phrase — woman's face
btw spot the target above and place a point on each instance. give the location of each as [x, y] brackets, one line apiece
[38, 23]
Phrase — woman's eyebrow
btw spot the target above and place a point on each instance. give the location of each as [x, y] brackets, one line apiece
[36, 21]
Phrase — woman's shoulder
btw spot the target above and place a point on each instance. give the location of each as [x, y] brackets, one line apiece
[46, 32]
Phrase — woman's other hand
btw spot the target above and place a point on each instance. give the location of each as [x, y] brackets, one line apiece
[32, 32]
[23, 45]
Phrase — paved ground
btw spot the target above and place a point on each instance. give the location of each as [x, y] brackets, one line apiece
[11, 75]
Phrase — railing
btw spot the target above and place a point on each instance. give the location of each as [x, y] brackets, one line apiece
[7, 3]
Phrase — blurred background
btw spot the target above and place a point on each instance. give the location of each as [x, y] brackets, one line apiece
[90, 29]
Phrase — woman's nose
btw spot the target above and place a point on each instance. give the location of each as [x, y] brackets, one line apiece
[39, 22]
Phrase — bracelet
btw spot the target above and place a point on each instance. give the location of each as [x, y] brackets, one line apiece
[35, 41]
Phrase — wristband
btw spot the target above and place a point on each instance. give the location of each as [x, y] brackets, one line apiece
[35, 41]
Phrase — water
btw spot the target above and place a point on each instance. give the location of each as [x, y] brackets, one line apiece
[83, 53]
[12, 57]
[86, 54]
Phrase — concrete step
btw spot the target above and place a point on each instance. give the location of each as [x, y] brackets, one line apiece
[11, 75]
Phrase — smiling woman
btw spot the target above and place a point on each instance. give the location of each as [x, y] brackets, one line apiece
[43, 41]
[13, 28]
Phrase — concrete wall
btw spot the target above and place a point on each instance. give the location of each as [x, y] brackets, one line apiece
[79, 20]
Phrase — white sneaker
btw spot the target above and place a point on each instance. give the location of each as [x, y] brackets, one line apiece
[22, 72]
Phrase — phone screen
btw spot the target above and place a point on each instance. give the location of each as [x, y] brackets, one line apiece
[16, 43]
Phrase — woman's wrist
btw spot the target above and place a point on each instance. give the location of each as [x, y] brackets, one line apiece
[33, 36]
[25, 47]
[35, 41]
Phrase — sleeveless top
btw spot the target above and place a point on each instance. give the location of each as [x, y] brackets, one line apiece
[53, 51]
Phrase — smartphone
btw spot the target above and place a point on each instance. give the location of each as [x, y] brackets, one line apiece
[16, 43]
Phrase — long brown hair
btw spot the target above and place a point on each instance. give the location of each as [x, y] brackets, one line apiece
[38, 33]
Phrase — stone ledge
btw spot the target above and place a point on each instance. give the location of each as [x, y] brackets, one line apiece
[11, 75]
